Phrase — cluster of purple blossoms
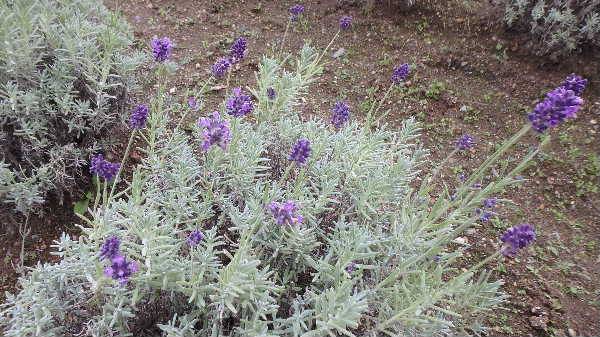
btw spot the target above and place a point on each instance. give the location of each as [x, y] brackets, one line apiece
[239, 104]
[517, 238]
[194, 104]
[351, 267]
[488, 203]
[238, 50]
[284, 213]
[138, 118]
[195, 238]
[161, 49]
[221, 66]
[559, 105]
[110, 248]
[271, 93]
[301, 151]
[401, 73]
[341, 113]
[575, 83]
[295, 11]
[119, 269]
[345, 22]
[465, 142]
[216, 131]
[104, 169]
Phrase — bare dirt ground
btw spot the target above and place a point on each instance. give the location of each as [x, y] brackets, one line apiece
[470, 77]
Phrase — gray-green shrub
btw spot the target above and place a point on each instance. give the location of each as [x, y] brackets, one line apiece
[557, 27]
[65, 70]
[361, 202]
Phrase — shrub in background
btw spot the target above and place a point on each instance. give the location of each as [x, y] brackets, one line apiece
[261, 223]
[557, 27]
[65, 68]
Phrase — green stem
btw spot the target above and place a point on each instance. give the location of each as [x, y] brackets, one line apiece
[287, 172]
[287, 27]
[484, 261]
[97, 199]
[123, 162]
[371, 113]
[326, 48]
[187, 110]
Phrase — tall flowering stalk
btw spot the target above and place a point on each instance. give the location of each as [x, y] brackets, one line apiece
[400, 74]
[216, 131]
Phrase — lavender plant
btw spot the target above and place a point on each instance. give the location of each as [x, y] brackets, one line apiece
[240, 239]
[65, 70]
[557, 28]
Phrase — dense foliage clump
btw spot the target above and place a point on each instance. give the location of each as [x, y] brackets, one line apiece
[260, 222]
[65, 70]
[557, 27]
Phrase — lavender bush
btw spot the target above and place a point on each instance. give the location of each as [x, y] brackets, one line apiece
[289, 226]
[65, 70]
[557, 28]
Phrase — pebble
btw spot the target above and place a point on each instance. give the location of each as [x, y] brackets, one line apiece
[172, 90]
[339, 53]
[572, 332]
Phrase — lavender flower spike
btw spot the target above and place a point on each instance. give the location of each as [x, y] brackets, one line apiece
[351, 267]
[465, 142]
[194, 104]
[221, 66]
[401, 73]
[121, 269]
[110, 248]
[195, 238]
[559, 105]
[271, 93]
[345, 22]
[284, 213]
[575, 83]
[517, 238]
[138, 118]
[295, 11]
[239, 104]
[161, 49]
[301, 151]
[238, 50]
[216, 131]
[104, 169]
[340, 114]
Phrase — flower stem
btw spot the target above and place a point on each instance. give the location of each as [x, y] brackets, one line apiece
[123, 162]
[287, 27]
[371, 113]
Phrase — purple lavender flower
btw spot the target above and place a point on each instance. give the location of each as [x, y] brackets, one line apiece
[121, 269]
[238, 50]
[486, 216]
[462, 177]
[559, 105]
[161, 49]
[284, 213]
[216, 131]
[239, 104]
[138, 118]
[194, 104]
[476, 185]
[345, 22]
[351, 267]
[301, 151]
[401, 73]
[221, 66]
[340, 114]
[104, 169]
[575, 83]
[271, 93]
[517, 238]
[195, 238]
[295, 11]
[110, 248]
[465, 142]
[490, 202]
